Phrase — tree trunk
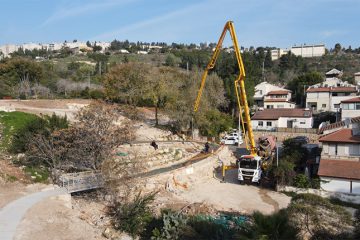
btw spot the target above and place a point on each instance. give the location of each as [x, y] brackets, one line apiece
[156, 115]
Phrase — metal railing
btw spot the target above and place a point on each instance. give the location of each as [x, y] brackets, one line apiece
[81, 181]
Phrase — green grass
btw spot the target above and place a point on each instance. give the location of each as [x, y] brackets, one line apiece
[11, 122]
[37, 174]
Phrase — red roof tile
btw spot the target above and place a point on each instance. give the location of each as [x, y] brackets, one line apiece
[276, 100]
[343, 89]
[332, 89]
[279, 92]
[342, 135]
[352, 100]
[319, 89]
[339, 169]
[276, 113]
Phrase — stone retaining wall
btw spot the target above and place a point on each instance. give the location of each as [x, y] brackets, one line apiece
[184, 177]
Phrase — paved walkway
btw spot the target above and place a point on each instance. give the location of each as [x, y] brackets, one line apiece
[11, 214]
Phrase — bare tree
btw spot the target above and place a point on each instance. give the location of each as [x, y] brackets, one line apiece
[86, 144]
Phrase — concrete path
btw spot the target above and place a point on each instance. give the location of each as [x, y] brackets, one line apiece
[11, 214]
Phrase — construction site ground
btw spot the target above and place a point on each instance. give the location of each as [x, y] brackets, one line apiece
[84, 218]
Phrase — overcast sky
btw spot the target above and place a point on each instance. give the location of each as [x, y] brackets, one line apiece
[279, 23]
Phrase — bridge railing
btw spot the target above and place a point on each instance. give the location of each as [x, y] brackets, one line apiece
[81, 181]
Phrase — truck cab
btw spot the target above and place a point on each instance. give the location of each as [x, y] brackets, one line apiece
[249, 168]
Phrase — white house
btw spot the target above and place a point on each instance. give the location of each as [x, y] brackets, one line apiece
[278, 99]
[322, 99]
[269, 119]
[262, 90]
[339, 168]
[350, 108]
[357, 78]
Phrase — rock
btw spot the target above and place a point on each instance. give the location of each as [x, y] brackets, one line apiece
[107, 233]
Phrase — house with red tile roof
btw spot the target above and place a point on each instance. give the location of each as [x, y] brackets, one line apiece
[265, 90]
[270, 119]
[278, 99]
[339, 167]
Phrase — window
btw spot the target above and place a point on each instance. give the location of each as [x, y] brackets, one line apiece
[345, 106]
[280, 106]
[270, 106]
[269, 124]
[302, 122]
[351, 106]
[336, 105]
[323, 106]
[260, 123]
[357, 106]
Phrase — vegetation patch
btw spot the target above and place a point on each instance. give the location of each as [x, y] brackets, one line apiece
[11, 123]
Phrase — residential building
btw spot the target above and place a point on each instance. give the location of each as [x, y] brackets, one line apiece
[339, 168]
[8, 49]
[315, 50]
[350, 108]
[277, 53]
[270, 119]
[322, 99]
[262, 90]
[278, 99]
[357, 78]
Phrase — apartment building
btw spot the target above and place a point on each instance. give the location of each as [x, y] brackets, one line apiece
[315, 50]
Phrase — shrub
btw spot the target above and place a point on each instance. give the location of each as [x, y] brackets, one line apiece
[314, 214]
[23, 135]
[284, 173]
[97, 94]
[301, 181]
[173, 224]
[132, 217]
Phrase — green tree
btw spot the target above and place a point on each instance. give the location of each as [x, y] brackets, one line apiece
[268, 61]
[299, 85]
[20, 73]
[337, 48]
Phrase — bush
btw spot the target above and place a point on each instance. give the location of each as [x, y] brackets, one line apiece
[97, 94]
[301, 181]
[316, 215]
[284, 173]
[23, 135]
[132, 217]
[36, 125]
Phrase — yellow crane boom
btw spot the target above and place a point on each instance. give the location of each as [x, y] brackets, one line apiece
[239, 86]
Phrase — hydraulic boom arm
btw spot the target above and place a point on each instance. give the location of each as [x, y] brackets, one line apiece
[239, 86]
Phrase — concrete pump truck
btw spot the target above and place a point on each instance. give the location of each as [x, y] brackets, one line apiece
[250, 167]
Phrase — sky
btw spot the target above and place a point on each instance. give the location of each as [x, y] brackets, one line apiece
[274, 23]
